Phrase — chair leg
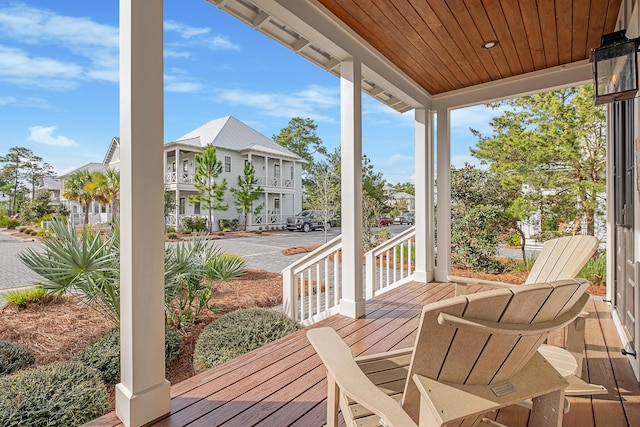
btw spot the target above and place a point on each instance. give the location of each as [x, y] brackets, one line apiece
[575, 341]
[333, 402]
[547, 410]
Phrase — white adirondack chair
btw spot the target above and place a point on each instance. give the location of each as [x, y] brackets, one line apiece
[559, 259]
[472, 354]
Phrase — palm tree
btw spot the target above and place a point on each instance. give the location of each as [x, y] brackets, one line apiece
[79, 188]
[108, 187]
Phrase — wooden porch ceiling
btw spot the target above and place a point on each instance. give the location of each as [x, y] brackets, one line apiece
[438, 43]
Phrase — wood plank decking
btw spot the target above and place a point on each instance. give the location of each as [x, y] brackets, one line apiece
[283, 383]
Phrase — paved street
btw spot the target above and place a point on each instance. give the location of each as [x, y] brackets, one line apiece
[260, 252]
[14, 274]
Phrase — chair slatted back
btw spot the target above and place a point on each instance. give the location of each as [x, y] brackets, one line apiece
[464, 355]
[562, 258]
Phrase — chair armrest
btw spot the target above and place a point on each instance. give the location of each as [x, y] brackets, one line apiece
[463, 282]
[351, 381]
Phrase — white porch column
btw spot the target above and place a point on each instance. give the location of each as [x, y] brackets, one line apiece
[424, 196]
[443, 231]
[177, 176]
[352, 303]
[143, 393]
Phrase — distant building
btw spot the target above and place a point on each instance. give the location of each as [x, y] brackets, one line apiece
[396, 196]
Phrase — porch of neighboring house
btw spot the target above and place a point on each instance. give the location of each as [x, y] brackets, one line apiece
[284, 383]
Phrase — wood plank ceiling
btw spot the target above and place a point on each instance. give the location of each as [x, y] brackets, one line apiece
[438, 43]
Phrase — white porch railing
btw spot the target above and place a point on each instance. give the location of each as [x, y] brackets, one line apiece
[312, 285]
[390, 264]
[173, 177]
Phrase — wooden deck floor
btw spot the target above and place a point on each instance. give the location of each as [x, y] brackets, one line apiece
[283, 384]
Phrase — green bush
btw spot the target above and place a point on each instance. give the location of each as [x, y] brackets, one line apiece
[24, 297]
[170, 230]
[513, 239]
[12, 223]
[14, 357]
[229, 224]
[172, 236]
[237, 333]
[63, 394]
[103, 353]
[194, 223]
[224, 266]
[595, 270]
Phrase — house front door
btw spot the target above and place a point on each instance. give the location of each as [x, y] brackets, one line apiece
[625, 186]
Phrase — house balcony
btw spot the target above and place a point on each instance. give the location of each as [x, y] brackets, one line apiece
[274, 182]
[184, 179]
[284, 383]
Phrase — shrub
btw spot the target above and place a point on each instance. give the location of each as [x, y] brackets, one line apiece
[384, 234]
[170, 230]
[12, 223]
[225, 266]
[85, 263]
[28, 231]
[194, 223]
[229, 224]
[14, 357]
[595, 270]
[237, 333]
[172, 236]
[103, 353]
[22, 229]
[24, 297]
[514, 239]
[63, 394]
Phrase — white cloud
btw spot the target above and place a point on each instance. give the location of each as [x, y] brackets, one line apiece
[6, 100]
[44, 135]
[17, 66]
[308, 102]
[185, 31]
[31, 102]
[92, 47]
[177, 80]
[195, 37]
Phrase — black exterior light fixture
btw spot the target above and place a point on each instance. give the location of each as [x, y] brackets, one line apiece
[615, 68]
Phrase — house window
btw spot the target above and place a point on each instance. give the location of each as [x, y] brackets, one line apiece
[276, 205]
[185, 165]
[276, 171]
[291, 172]
[173, 167]
[182, 205]
[227, 163]
[196, 208]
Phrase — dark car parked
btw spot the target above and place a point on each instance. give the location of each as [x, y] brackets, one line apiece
[406, 218]
[309, 220]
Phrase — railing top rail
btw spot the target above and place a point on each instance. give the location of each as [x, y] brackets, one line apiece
[409, 232]
[315, 256]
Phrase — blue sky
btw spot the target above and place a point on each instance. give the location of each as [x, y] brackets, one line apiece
[59, 85]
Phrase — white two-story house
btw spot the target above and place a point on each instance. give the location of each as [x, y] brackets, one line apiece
[278, 170]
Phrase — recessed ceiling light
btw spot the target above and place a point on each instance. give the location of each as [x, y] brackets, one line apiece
[489, 44]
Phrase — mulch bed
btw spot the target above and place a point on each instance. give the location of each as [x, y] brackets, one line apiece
[59, 330]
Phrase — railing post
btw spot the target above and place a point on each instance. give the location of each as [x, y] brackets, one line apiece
[370, 275]
[289, 294]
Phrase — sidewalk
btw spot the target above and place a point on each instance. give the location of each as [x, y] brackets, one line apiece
[14, 274]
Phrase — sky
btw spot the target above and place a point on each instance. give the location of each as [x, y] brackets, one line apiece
[59, 85]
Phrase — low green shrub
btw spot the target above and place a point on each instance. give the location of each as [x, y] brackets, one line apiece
[24, 297]
[595, 270]
[384, 234]
[229, 224]
[14, 357]
[170, 230]
[28, 231]
[22, 229]
[194, 223]
[12, 223]
[103, 353]
[224, 266]
[237, 333]
[513, 239]
[172, 236]
[58, 395]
